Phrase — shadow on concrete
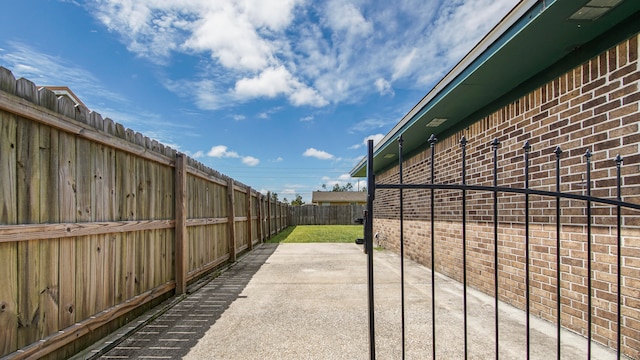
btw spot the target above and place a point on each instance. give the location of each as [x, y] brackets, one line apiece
[179, 328]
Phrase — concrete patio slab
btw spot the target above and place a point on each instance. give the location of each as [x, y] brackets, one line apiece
[309, 301]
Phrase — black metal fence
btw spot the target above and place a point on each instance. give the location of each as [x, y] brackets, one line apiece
[621, 209]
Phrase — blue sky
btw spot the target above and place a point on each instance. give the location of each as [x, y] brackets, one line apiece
[278, 94]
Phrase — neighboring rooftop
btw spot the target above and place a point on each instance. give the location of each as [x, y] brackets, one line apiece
[335, 197]
[65, 91]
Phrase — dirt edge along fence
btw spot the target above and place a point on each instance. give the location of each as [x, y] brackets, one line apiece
[98, 222]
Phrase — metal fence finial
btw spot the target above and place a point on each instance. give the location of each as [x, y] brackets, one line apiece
[557, 151]
[432, 139]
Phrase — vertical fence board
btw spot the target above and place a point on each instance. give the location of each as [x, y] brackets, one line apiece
[142, 214]
[231, 217]
[100, 198]
[168, 206]
[249, 220]
[181, 242]
[152, 236]
[28, 213]
[121, 194]
[165, 213]
[8, 251]
[49, 249]
[129, 239]
[84, 268]
[110, 212]
[67, 248]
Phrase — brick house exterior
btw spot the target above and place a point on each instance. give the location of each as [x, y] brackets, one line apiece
[587, 104]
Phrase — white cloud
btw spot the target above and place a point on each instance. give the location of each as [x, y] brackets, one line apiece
[402, 64]
[344, 16]
[311, 53]
[303, 95]
[288, 192]
[250, 161]
[198, 154]
[318, 154]
[231, 39]
[383, 86]
[270, 83]
[341, 180]
[221, 151]
[278, 81]
[307, 118]
[376, 139]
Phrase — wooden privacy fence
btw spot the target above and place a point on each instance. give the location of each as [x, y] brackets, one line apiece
[325, 215]
[98, 222]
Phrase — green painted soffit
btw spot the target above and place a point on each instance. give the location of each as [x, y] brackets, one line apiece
[542, 44]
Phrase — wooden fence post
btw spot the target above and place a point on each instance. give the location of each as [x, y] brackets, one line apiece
[231, 213]
[181, 241]
[269, 215]
[249, 219]
[260, 220]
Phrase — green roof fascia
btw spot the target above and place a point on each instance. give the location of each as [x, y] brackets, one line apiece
[623, 31]
[516, 35]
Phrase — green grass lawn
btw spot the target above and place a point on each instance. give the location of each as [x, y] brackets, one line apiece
[318, 234]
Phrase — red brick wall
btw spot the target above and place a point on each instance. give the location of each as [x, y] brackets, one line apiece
[593, 107]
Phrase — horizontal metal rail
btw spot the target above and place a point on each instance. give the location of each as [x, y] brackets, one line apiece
[464, 188]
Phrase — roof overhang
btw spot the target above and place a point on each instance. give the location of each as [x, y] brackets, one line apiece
[529, 42]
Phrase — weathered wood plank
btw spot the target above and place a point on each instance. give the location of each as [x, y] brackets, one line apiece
[8, 297]
[208, 267]
[48, 262]
[153, 255]
[8, 215]
[110, 213]
[249, 222]
[16, 233]
[7, 81]
[29, 110]
[142, 209]
[67, 206]
[28, 196]
[122, 161]
[231, 214]
[99, 200]
[169, 213]
[181, 241]
[163, 269]
[8, 168]
[66, 337]
[207, 221]
[203, 175]
[132, 214]
[84, 211]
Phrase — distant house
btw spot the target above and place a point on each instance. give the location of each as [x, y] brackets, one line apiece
[327, 198]
[65, 91]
